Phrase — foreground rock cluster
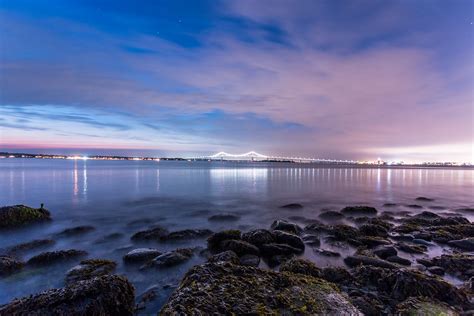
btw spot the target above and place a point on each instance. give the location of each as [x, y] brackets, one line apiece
[261, 271]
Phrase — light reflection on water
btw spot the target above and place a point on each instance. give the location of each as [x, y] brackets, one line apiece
[110, 194]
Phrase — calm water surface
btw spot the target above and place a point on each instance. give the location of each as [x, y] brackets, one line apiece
[111, 195]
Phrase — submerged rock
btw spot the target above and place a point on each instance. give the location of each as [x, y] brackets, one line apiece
[359, 210]
[331, 215]
[293, 206]
[424, 199]
[149, 234]
[141, 255]
[52, 257]
[9, 265]
[224, 217]
[74, 231]
[286, 226]
[186, 234]
[213, 289]
[19, 215]
[106, 295]
[170, 258]
[34, 244]
[90, 268]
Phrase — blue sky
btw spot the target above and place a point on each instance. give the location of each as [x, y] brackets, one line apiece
[339, 79]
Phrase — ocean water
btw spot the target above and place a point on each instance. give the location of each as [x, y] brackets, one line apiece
[127, 196]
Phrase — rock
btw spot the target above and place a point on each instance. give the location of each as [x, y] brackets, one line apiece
[424, 199]
[312, 240]
[292, 206]
[343, 232]
[425, 262]
[385, 252]
[371, 241]
[74, 231]
[418, 306]
[281, 224]
[414, 206]
[148, 296]
[301, 266]
[258, 237]
[270, 250]
[436, 270]
[465, 244]
[277, 260]
[216, 289]
[141, 255]
[446, 233]
[19, 215]
[316, 227]
[109, 238]
[422, 242]
[170, 258]
[460, 265]
[465, 210]
[373, 230]
[154, 233]
[380, 222]
[401, 237]
[214, 241]
[282, 237]
[331, 215]
[240, 247]
[34, 244]
[250, 260]
[359, 210]
[53, 257]
[354, 261]
[9, 265]
[406, 228]
[106, 295]
[226, 256]
[390, 205]
[90, 268]
[186, 234]
[337, 275]
[326, 253]
[411, 248]
[224, 217]
[399, 260]
[367, 304]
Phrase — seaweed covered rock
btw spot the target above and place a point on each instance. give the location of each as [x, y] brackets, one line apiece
[460, 265]
[301, 266]
[74, 231]
[141, 255]
[258, 237]
[240, 247]
[216, 289]
[226, 256]
[154, 233]
[343, 232]
[90, 268]
[214, 241]
[424, 306]
[354, 261]
[9, 265]
[106, 295]
[286, 226]
[282, 237]
[30, 245]
[373, 230]
[359, 210]
[186, 234]
[53, 257]
[465, 243]
[170, 258]
[19, 215]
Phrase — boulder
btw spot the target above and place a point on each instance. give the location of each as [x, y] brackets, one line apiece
[106, 295]
[224, 217]
[258, 237]
[9, 265]
[281, 224]
[141, 255]
[74, 231]
[465, 243]
[240, 247]
[90, 268]
[170, 258]
[53, 257]
[214, 241]
[422, 306]
[154, 233]
[19, 215]
[301, 266]
[399, 260]
[249, 260]
[217, 289]
[226, 256]
[282, 237]
[385, 252]
[186, 234]
[359, 210]
[292, 206]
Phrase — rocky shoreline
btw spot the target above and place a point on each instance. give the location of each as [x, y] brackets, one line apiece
[386, 268]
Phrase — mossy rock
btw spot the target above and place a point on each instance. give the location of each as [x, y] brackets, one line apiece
[19, 215]
[90, 268]
[301, 266]
[106, 295]
[227, 289]
[422, 306]
[53, 257]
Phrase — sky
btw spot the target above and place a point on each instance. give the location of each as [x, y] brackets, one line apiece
[328, 79]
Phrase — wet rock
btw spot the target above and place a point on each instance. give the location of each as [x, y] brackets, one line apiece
[148, 296]
[390, 204]
[316, 227]
[414, 206]
[384, 252]
[424, 199]
[74, 231]
[373, 230]
[301, 266]
[109, 238]
[354, 261]
[19, 215]
[302, 219]
[359, 210]
[186, 234]
[409, 248]
[368, 305]
[399, 260]
[446, 233]
[282, 237]
[170, 258]
[106, 295]
[343, 232]
[53, 257]
[312, 240]
[270, 250]
[422, 242]
[9, 265]
[326, 253]
[465, 210]
[224, 217]
[226, 256]
[214, 241]
[425, 262]
[292, 206]
[240, 247]
[337, 275]
[422, 235]
[419, 306]
[34, 244]
[216, 289]
[154, 233]
[250, 260]
[460, 265]
[406, 228]
[281, 224]
[436, 270]
[380, 222]
[331, 215]
[465, 244]
[258, 237]
[141, 255]
[277, 260]
[401, 237]
[90, 268]
[371, 241]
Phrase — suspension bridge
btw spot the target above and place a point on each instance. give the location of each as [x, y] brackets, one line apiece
[254, 156]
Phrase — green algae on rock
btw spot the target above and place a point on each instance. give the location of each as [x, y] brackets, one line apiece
[224, 288]
[19, 215]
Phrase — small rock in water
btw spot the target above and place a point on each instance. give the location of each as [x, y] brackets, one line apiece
[109, 238]
[312, 240]
[384, 252]
[354, 261]
[9, 265]
[141, 255]
[19, 215]
[154, 233]
[224, 217]
[214, 241]
[240, 247]
[359, 210]
[424, 199]
[35, 244]
[293, 206]
[326, 253]
[258, 237]
[436, 270]
[373, 230]
[226, 256]
[56, 256]
[283, 237]
[170, 258]
[186, 234]
[465, 244]
[419, 249]
[399, 260]
[74, 231]
[286, 226]
[90, 268]
[331, 215]
[414, 206]
[390, 204]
